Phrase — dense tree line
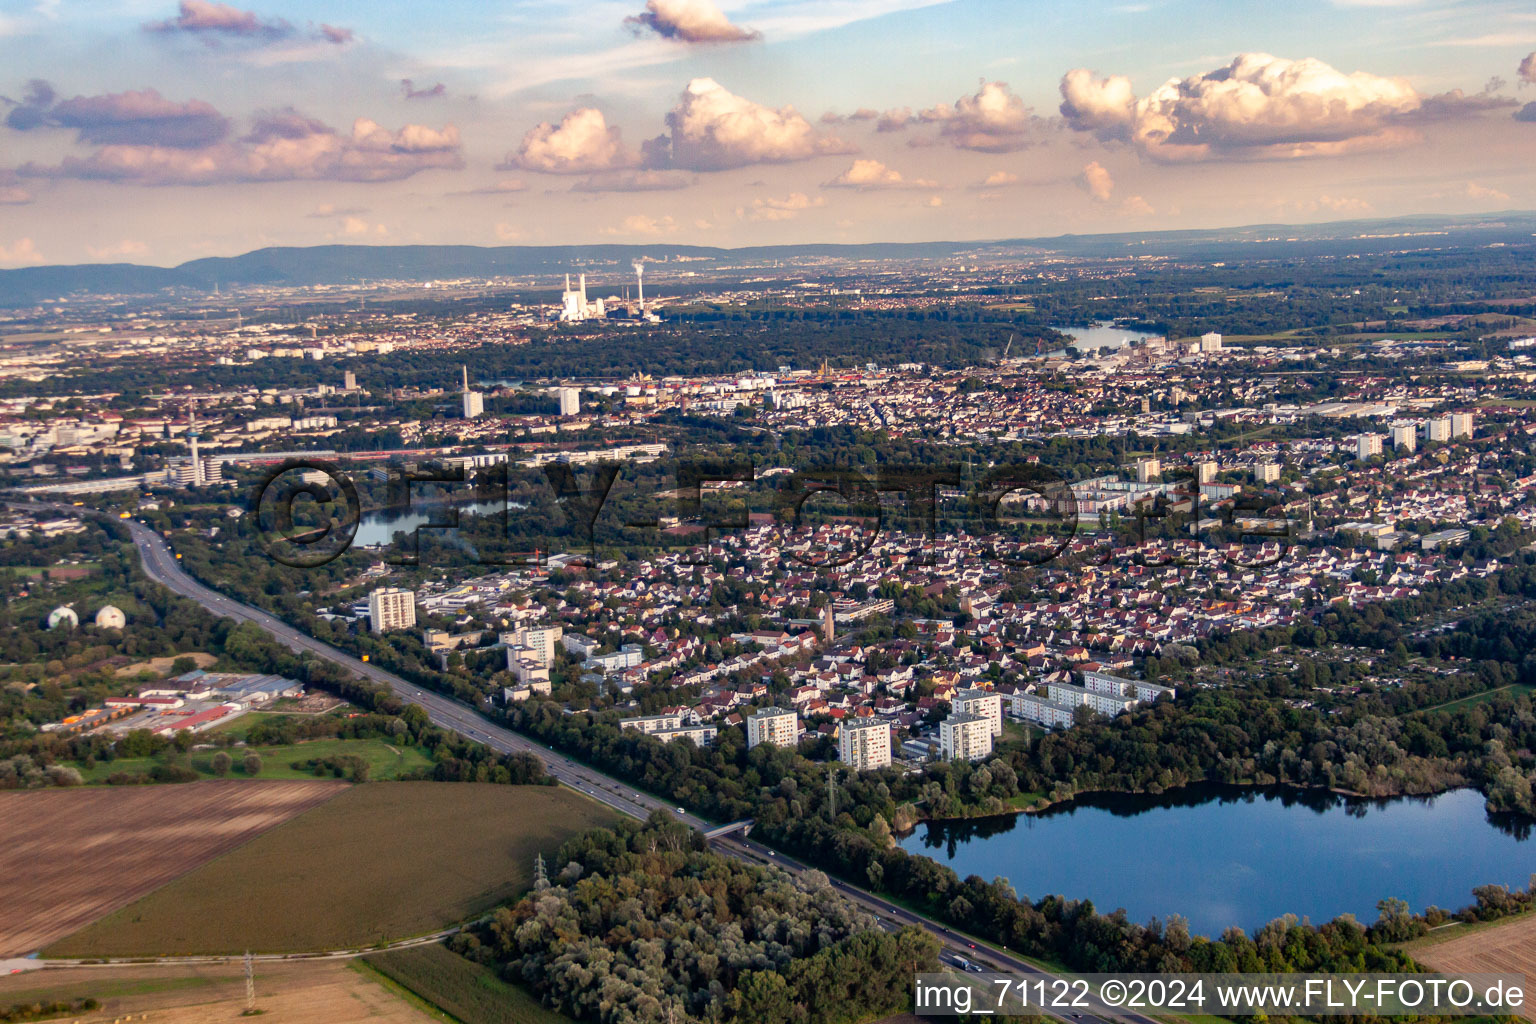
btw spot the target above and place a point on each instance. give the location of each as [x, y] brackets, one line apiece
[643, 923]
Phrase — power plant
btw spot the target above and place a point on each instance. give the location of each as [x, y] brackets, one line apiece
[474, 401]
[576, 307]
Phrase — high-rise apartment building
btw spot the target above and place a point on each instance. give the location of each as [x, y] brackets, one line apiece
[865, 745]
[391, 608]
[773, 725]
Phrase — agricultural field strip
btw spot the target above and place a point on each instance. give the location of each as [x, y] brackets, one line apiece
[73, 855]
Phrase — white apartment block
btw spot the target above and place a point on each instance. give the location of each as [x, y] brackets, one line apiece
[1461, 424]
[540, 643]
[864, 745]
[1043, 710]
[1103, 703]
[773, 725]
[570, 401]
[628, 656]
[965, 738]
[525, 691]
[1115, 686]
[1210, 342]
[1438, 429]
[391, 608]
[578, 645]
[699, 735]
[1405, 437]
[1267, 472]
[525, 670]
[1367, 446]
[982, 704]
[658, 723]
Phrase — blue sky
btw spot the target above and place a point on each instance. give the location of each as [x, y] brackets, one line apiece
[160, 130]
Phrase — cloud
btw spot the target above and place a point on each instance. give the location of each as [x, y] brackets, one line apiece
[999, 178]
[283, 145]
[634, 181]
[1476, 191]
[409, 91]
[22, 253]
[14, 195]
[144, 117]
[1256, 107]
[1097, 181]
[1135, 206]
[872, 175]
[211, 22]
[581, 143]
[1527, 113]
[325, 210]
[118, 250]
[1105, 106]
[1527, 70]
[31, 111]
[993, 120]
[712, 129]
[689, 21]
[504, 187]
[788, 208]
[640, 224]
[202, 17]
[1331, 204]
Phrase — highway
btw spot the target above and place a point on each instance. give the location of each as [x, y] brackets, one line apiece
[160, 565]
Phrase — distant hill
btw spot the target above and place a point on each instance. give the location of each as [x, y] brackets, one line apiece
[351, 264]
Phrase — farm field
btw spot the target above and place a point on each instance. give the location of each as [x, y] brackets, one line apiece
[72, 855]
[466, 991]
[316, 992]
[385, 760]
[382, 861]
[1506, 947]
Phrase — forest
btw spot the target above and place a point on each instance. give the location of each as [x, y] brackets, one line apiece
[643, 923]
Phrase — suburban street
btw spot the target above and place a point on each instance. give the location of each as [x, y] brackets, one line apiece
[160, 565]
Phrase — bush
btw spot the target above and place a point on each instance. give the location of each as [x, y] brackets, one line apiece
[172, 773]
[252, 763]
[64, 775]
[222, 762]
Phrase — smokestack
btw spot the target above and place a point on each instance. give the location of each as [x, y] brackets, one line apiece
[583, 293]
[464, 370]
[640, 282]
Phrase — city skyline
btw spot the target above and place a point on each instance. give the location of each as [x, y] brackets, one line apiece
[155, 132]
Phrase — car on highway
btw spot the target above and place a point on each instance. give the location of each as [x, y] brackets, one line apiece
[681, 811]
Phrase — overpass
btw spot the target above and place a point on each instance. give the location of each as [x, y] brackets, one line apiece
[743, 826]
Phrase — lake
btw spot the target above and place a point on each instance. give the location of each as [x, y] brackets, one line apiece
[379, 528]
[1101, 335]
[1225, 855]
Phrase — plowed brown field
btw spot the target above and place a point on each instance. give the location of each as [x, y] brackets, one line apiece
[71, 855]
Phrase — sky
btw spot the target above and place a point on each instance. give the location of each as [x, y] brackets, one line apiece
[157, 131]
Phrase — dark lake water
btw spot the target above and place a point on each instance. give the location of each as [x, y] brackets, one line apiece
[1222, 855]
[380, 527]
